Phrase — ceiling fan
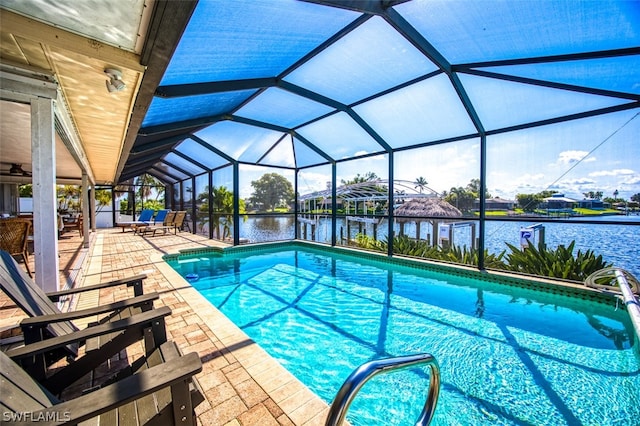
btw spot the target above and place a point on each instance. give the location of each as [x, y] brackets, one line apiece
[16, 170]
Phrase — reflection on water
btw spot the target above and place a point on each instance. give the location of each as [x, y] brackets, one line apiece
[267, 228]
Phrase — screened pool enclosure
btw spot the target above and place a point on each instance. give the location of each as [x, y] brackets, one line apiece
[273, 115]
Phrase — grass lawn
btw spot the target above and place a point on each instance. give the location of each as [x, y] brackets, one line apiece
[590, 212]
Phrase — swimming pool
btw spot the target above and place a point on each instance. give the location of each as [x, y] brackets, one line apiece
[508, 355]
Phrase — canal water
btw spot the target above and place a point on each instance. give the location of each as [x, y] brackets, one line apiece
[618, 244]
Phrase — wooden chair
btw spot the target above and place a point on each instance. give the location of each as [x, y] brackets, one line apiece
[14, 234]
[73, 224]
[161, 391]
[47, 322]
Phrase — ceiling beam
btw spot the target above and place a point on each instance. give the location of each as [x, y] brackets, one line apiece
[401, 25]
[31, 29]
[553, 85]
[139, 170]
[569, 117]
[69, 135]
[162, 178]
[375, 7]
[165, 143]
[180, 90]
[18, 84]
[158, 169]
[146, 161]
[603, 54]
[187, 126]
[191, 160]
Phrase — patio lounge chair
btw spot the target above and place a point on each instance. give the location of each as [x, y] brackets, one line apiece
[163, 219]
[14, 234]
[175, 224]
[159, 218]
[161, 391]
[145, 218]
[47, 322]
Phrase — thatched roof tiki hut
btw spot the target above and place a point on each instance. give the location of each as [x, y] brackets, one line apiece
[421, 210]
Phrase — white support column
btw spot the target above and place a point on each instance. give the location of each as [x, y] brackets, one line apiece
[85, 210]
[92, 205]
[45, 217]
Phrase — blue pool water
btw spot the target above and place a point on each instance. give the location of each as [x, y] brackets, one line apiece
[508, 355]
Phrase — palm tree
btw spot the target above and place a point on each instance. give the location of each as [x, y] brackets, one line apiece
[367, 177]
[222, 219]
[68, 197]
[147, 184]
[420, 183]
[222, 201]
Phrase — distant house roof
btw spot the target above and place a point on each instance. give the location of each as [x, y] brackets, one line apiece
[560, 198]
[499, 200]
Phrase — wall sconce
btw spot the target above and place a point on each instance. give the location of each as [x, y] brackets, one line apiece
[16, 170]
[115, 83]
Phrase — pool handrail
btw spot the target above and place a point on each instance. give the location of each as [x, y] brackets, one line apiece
[626, 282]
[357, 379]
[633, 308]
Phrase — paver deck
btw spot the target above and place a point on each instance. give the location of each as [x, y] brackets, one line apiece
[243, 385]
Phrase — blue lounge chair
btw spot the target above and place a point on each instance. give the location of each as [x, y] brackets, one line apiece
[145, 218]
[157, 220]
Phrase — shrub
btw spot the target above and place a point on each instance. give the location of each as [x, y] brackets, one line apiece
[403, 245]
[558, 263]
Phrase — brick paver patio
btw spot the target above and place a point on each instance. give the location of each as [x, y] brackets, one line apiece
[242, 384]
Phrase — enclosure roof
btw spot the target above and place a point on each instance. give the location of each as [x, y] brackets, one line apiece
[373, 190]
[295, 84]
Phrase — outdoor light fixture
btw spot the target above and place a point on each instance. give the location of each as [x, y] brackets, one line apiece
[115, 83]
[16, 170]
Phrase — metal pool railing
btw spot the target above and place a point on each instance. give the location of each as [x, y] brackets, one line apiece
[629, 300]
[357, 379]
[607, 278]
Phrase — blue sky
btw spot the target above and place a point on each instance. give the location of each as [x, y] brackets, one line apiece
[596, 154]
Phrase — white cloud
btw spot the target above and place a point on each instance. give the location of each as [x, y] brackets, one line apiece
[616, 172]
[571, 157]
[312, 181]
[633, 180]
[509, 187]
[578, 181]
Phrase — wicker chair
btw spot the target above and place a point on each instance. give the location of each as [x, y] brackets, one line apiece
[14, 234]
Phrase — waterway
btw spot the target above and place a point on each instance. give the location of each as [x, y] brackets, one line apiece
[618, 244]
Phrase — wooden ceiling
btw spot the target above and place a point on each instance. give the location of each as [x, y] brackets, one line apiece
[77, 62]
